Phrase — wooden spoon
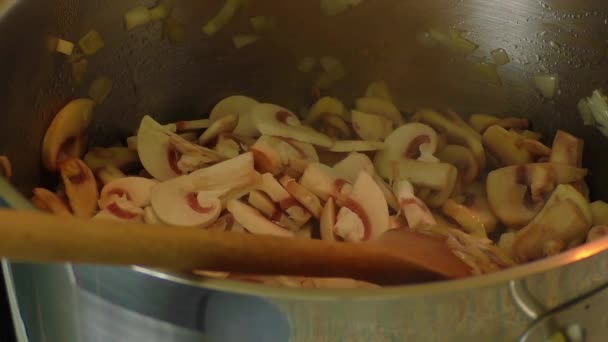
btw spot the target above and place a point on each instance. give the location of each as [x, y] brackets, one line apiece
[408, 258]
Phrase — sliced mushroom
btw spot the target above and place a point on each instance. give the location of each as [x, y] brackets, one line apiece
[80, 187]
[305, 232]
[48, 201]
[120, 157]
[476, 208]
[465, 217]
[527, 134]
[254, 221]
[389, 196]
[121, 210]
[516, 193]
[325, 106]
[599, 210]
[109, 174]
[505, 243]
[364, 215]
[196, 199]
[271, 210]
[334, 127]
[306, 198]
[150, 216]
[463, 160]
[380, 107]
[6, 169]
[227, 223]
[567, 149]
[357, 146]
[328, 221]
[275, 154]
[415, 211]
[136, 190]
[563, 223]
[435, 176]
[371, 127]
[379, 90]
[511, 148]
[274, 120]
[596, 233]
[240, 106]
[481, 122]
[193, 125]
[225, 124]
[323, 181]
[405, 143]
[227, 147]
[286, 202]
[455, 133]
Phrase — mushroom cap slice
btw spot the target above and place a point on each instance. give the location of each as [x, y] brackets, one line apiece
[371, 127]
[271, 210]
[357, 145]
[306, 198]
[274, 154]
[254, 221]
[323, 181]
[509, 196]
[404, 143]
[121, 210]
[463, 160]
[80, 186]
[563, 223]
[327, 221]
[285, 201]
[325, 106]
[240, 106]
[225, 124]
[435, 176]
[65, 135]
[380, 107]
[567, 149]
[274, 120]
[414, 210]
[136, 190]
[155, 151]
[507, 147]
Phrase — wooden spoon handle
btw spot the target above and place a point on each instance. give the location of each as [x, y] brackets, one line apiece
[38, 237]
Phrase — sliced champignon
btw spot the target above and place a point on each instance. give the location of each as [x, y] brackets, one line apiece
[323, 181]
[150, 216]
[481, 122]
[512, 149]
[276, 155]
[599, 209]
[66, 135]
[306, 198]
[596, 233]
[48, 201]
[193, 125]
[6, 169]
[264, 204]
[436, 198]
[240, 106]
[463, 160]
[334, 127]
[225, 124]
[119, 157]
[227, 223]
[357, 146]
[109, 174]
[364, 215]
[389, 196]
[516, 193]
[327, 221]
[227, 146]
[435, 176]
[80, 187]
[371, 127]
[196, 199]
[380, 107]
[456, 133]
[253, 221]
[296, 211]
[415, 211]
[136, 190]
[379, 90]
[277, 121]
[567, 149]
[121, 210]
[505, 243]
[465, 217]
[405, 143]
[563, 223]
[474, 209]
[325, 106]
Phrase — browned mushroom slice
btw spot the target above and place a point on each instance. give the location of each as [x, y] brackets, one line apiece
[136, 190]
[80, 187]
[271, 210]
[516, 193]
[568, 149]
[481, 122]
[65, 137]
[563, 223]
[306, 198]
[473, 210]
[254, 221]
[48, 201]
[463, 160]
[119, 157]
[596, 233]
[109, 174]
[414, 210]
[511, 148]
[323, 107]
[6, 169]
[286, 202]
[328, 220]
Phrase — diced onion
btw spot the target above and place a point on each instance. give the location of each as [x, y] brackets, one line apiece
[307, 64]
[79, 69]
[137, 16]
[500, 56]
[460, 44]
[91, 42]
[65, 47]
[242, 40]
[547, 84]
[159, 12]
[100, 89]
[335, 7]
[263, 23]
[599, 108]
[222, 17]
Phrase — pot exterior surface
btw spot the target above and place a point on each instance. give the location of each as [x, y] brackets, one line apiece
[375, 40]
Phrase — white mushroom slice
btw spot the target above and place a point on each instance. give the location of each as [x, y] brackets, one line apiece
[379, 90]
[512, 190]
[240, 106]
[463, 160]
[364, 215]
[66, 135]
[390, 197]
[505, 243]
[436, 198]
[193, 125]
[328, 221]
[150, 216]
[121, 210]
[563, 223]
[435, 176]
[475, 208]
[225, 124]
[48, 201]
[323, 181]
[275, 154]
[271, 210]
[120, 157]
[334, 127]
[599, 209]
[414, 210]
[227, 146]
[80, 187]
[254, 221]
[380, 107]
[136, 190]
[596, 233]
[511, 148]
[274, 120]
[371, 127]
[109, 174]
[357, 146]
[306, 198]
[325, 106]
[286, 202]
[405, 143]
[456, 133]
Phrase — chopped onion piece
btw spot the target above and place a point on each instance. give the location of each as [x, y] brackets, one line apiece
[242, 40]
[335, 7]
[460, 44]
[91, 42]
[307, 64]
[100, 89]
[488, 72]
[159, 12]
[65, 47]
[263, 23]
[599, 108]
[137, 16]
[500, 56]
[547, 84]
[585, 111]
[222, 17]
[79, 69]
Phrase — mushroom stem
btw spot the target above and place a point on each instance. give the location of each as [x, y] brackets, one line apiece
[414, 210]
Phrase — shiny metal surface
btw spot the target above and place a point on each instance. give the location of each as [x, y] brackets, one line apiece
[375, 40]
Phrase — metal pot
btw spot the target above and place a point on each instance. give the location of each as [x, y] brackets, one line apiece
[375, 40]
